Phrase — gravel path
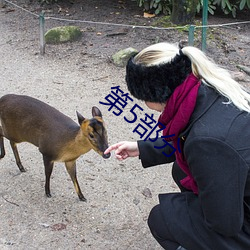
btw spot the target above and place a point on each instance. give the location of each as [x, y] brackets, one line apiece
[120, 195]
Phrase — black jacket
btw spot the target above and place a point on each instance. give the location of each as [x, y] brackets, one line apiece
[217, 150]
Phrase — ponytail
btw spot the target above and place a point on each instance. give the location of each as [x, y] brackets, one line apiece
[218, 78]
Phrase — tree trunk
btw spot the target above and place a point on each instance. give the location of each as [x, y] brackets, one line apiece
[183, 11]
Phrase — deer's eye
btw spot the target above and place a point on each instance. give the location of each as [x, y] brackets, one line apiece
[91, 136]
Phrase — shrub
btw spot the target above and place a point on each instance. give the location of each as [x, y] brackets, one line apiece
[156, 6]
[165, 6]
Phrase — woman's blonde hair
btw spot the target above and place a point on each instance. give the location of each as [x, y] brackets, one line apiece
[202, 67]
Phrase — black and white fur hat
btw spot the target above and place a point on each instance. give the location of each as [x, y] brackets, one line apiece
[156, 83]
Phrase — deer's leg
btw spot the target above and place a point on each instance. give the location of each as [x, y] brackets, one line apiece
[18, 161]
[1, 144]
[71, 168]
[48, 165]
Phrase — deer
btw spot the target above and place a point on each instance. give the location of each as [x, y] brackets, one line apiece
[58, 138]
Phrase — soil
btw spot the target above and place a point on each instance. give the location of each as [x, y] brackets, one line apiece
[77, 76]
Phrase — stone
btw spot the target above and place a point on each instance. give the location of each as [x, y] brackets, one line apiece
[121, 58]
[63, 34]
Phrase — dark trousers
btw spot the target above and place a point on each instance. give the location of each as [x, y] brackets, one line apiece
[156, 221]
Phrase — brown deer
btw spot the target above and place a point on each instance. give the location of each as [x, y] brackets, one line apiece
[59, 138]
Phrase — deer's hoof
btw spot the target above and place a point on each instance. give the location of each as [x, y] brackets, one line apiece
[82, 198]
[48, 195]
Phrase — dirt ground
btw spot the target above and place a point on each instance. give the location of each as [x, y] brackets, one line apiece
[76, 76]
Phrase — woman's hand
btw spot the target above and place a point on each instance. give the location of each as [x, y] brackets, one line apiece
[124, 150]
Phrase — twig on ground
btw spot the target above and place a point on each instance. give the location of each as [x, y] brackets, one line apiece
[13, 203]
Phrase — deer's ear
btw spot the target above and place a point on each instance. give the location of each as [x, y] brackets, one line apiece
[80, 118]
[96, 112]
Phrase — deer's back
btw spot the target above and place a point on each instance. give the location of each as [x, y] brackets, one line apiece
[24, 118]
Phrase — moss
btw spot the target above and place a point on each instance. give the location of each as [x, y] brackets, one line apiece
[163, 22]
[63, 34]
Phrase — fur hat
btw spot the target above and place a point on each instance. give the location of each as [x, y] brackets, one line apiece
[156, 83]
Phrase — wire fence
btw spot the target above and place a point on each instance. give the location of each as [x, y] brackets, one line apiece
[191, 28]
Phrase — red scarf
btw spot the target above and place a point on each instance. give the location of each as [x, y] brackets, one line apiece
[176, 115]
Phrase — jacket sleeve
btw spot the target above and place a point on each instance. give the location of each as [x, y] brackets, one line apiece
[151, 156]
[220, 173]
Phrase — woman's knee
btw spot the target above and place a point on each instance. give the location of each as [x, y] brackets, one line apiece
[153, 218]
[159, 229]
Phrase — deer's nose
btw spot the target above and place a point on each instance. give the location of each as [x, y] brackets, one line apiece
[106, 156]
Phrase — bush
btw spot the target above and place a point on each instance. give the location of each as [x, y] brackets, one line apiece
[232, 6]
[156, 6]
[165, 6]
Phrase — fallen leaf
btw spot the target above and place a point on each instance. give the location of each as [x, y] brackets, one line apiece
[147, 15]
[147, 193]
[58, 227]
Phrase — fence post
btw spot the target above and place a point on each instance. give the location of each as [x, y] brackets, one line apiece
[204, 24]
[191, 35]
[42, 31]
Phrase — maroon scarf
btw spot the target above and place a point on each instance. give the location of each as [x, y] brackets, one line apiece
[176, 115]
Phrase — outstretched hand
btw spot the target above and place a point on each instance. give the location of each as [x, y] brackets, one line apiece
[124, 150]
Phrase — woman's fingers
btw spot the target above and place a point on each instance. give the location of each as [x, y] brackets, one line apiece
[123, 150]
[113, 147]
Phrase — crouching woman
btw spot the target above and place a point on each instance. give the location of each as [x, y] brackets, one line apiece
[206, 114]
